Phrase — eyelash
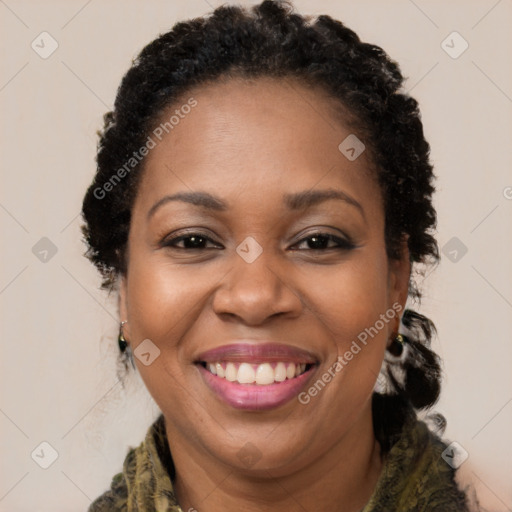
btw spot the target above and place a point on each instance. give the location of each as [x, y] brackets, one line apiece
[342, 245]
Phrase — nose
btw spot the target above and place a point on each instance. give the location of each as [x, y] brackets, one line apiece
[254, 292]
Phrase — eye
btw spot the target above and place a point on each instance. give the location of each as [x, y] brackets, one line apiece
[315, 242]
[325, 241]
[189, 241]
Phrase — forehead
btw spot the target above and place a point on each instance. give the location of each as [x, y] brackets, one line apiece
[267, 133]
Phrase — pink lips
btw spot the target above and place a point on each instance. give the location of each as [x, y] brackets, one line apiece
[257, 353]
[252, 396]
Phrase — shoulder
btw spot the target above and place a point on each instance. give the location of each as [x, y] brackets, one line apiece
[113, 500]
[433, 485]
[416, 477]
[145, 479]
[117, 497]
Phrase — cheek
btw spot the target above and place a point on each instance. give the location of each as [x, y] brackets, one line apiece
[350, 297]
[163, 302]
[349, 303]
[162, 299]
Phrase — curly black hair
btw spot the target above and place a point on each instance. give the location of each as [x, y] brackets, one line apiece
[271, 40]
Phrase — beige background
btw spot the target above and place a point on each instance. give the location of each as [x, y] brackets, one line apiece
[58, 370]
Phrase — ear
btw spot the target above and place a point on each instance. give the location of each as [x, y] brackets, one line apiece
[398, 279]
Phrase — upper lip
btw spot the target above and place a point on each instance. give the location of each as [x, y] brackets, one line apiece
[260, 352]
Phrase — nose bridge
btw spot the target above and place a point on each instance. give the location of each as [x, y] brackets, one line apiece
[255, 289]
[254, 280]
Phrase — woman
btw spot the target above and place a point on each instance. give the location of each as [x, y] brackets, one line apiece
[263, 194]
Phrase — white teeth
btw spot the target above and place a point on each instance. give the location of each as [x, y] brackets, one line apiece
[231, 372]
[220, 370]
[246, 374]
[262, 374]
[280, 372]
[265, 374]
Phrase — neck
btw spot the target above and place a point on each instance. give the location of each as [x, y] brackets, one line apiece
[343, 478]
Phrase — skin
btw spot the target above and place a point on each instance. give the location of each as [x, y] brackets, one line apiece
[249, 144]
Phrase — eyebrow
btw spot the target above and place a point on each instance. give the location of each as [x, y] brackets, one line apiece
[296, 201]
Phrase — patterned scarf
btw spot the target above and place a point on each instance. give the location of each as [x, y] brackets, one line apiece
[414, 478]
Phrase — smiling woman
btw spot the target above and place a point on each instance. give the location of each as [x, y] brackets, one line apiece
[263, 250]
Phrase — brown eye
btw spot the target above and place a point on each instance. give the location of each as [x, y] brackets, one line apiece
[189, 241]
[321, 241]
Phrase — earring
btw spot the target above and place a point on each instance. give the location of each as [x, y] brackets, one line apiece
[123, 344]
[397, 345]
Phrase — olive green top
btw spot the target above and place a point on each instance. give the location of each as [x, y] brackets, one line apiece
[414, 478]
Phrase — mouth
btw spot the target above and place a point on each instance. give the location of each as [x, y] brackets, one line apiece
[262, 374]
[256, 376]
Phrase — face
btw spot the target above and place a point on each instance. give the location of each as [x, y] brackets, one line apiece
[256, 265]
